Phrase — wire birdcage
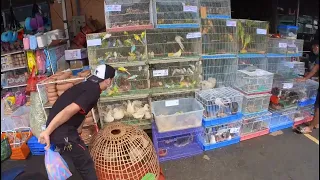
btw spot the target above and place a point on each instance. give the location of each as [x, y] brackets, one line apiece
[133, 111]
[258, 62]
[219, 72]
[254, 104]
[166, 44]
[126, 15]
[295, 47]
[252, 36]
[215, 9]
[219, 36]
[172, 96]
[220, 102]
[176, 14]
[123, 152]
[308, 92]
[302, 115]
[175, 76]
[277, 47]
[253, 81]
[255, 123]
[115, 48]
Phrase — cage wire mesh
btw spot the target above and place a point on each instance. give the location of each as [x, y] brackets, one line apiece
[215, 9]
[277, 46]
[295, 47]
[220, 133]
[219, 36]
[134, 111]
[173, 95]
[285, 68]
[252, 36]
[126, 15]
[174, 43]
[255, 104]
[303, 114]
[123, 152]
[255, 123]
[120, 47]
[175, 76]
[279, 119]
[253, 81]
[176, 14]
[308, 90]
[258, 62]
[219, 72]
[220, 102]
[134, 81]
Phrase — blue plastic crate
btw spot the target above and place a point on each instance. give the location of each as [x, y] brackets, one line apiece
[218, 121]
[279, 122]
[217, 16]
[207, 147]
[308, 102]
[76, 71]
[36, 148]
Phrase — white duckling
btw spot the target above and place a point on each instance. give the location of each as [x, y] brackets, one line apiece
[118, 113]
[108, 118]
[140, 113]
[130, 108]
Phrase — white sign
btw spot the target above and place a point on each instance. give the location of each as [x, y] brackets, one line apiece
[43, 127]
[162, 72]
[234, 130]
[193, 35]
[171, 103]
[261, 31]
[72, 54]
[190, 8]
[232, 23]
[112, 8]
[94, 42]
[287, 85]
[308, 26]
[283, 45]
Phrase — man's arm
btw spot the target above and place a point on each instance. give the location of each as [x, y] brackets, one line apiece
[313, 72]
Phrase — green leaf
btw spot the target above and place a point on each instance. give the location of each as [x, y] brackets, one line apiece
[149, 176]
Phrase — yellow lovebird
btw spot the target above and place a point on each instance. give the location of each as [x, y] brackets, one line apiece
[122, 69]
[137, 38]
[177, 54]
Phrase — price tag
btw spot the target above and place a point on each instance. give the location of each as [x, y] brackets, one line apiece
[94, 42]
[112, 8]
[171, 103]
[73, 54]
[190, 8]
[159, 73]
[4, 60]
[193, 35]
[283, 45]
[308, 26]
[231, 23]
[234, 130]
[261, 31]
[287, 85]
[43, 127]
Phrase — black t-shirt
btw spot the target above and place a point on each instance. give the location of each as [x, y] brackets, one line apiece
[86, 95]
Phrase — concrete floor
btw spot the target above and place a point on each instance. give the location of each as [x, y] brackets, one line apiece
[288, 156]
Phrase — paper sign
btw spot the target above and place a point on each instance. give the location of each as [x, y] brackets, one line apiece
[287, 85]
[193, 35]
[283, 45]
[73, 54]
[112, 8]
[171, 103]
[308, 26]
[159, 73]
[190, 8]
[234, 130]
[94, 42]
[261, 31]
[232, 23]
[43, 127]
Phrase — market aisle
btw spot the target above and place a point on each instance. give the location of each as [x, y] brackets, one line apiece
[287, 156]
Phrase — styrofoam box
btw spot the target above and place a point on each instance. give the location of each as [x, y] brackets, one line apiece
[179, 114]
[75, 54]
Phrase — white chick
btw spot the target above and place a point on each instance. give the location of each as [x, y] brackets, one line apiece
[189, 71]
[130, 108]
[140, 113]
[213, 81]
[206, 85]
[108, 118]
[118, 113]
[137, 103]
[193, 67]
[147, 115]
[219, 102]
[176, 71]
[184, 71]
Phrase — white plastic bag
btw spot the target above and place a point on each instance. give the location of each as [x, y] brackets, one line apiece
[57, 168]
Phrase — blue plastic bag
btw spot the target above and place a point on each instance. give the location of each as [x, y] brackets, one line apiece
[57, 168]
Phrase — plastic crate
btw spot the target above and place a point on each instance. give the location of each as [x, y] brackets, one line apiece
[279, 121]
[302, 115]
[176, 144]
[19, 150]
[177, 114]
[288, 32]
[255, 104]
[36, 148]
[255, 125]
[215, 9]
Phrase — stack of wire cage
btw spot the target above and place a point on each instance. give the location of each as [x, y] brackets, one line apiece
[215, 9]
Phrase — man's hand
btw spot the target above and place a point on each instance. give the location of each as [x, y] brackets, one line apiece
[301, 79]
[80, 130]
[44, 138]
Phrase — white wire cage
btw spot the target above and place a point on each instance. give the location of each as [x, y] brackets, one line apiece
[218, 72]
[295, 47]
[255, 123]
[128, 15]
[219, 36]
[254, 104]
[175, 76]
[132, 111]
[254, 81]
[277, 46]
[115, 48]
[166, 44]
[257, 62]
[308, 92]
[303, 114]
[285, 68]
[252, 36]
[218, 9]
[176, 14]
[220, 102]
[134, 81]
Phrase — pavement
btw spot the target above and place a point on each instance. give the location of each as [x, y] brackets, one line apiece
[282, 156]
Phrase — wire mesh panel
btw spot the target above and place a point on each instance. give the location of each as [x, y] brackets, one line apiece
[175, 76]
[176, 14]
[255, 103]
[126, 15]
[117, 48]
[295, 47]
[134, 81]
[219, 36]
[308, 92]
[252, 36]
[254, 81]
[215, 9]
[302, 115]
[218, 72]
[172, 96]
[123, 152]
[135, 111]
[220, 102]
[174, 44]
[255, 123]
[257, 62]
[277, 47]
[283, 68]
